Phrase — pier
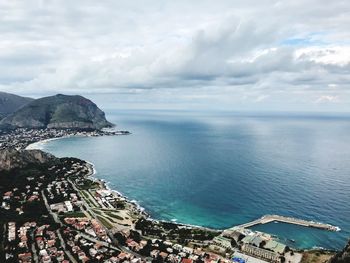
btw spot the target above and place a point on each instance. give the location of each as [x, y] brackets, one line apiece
[289, 220]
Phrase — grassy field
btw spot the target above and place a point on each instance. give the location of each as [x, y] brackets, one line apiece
[89, 199]
[110, 216]
[114, 215]
[105, 222]
[98, 212]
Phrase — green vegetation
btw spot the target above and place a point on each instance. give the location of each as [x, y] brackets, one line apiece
[87, 184]
[22, 179]
[73, 214]
[105, 222]
[108, 215]
[87, 197]
[113, 215]
[10, 103]
[173, 232]
[66, 114]
[98, 212]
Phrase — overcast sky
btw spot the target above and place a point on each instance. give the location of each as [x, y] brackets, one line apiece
[217, 55]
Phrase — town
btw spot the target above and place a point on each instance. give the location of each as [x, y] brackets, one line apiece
[20, 138]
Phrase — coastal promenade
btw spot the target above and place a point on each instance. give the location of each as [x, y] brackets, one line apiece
[289, 220]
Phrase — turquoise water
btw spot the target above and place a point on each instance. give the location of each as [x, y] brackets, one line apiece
[219, 170]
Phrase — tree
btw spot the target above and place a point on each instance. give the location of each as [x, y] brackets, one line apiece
[135, 236]
[120, 238]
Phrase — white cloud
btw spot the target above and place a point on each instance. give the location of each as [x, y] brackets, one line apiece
[327, 98]
[179, 53]
[332, 55]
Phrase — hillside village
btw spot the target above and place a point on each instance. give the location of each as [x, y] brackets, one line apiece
[82, 221]
[20, 138]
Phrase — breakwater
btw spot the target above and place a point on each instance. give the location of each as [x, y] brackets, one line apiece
[289, 220]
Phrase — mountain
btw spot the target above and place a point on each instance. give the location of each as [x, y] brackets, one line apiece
[9, 103]
[59, 111]
[11, 158]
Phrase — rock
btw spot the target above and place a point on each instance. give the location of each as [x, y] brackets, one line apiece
[12, 158]
[343, 256]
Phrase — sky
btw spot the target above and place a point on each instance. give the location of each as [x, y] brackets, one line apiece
[239, 55]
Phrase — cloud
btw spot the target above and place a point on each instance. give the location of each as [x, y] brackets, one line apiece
[333, 55]
[179, 53]
[327, 98]
[261, 98]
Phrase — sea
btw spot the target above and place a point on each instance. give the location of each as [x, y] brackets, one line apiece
[222, 169]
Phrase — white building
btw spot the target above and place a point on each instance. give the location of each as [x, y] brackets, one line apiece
[69, 206]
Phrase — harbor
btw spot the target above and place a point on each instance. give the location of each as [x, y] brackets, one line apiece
[289, 220]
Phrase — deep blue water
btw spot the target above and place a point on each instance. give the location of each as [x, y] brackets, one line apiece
[219, 170]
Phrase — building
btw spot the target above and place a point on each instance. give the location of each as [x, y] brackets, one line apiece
[261, 253]
[222, 242]
[69, 206]
[276, 247]
[11, 231]
[254, 240]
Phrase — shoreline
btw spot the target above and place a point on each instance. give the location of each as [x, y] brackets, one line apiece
[143, 211]
[135, 203]
[105, 185]
[43, 142]
[32, 145]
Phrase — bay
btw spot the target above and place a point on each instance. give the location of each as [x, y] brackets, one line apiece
[223, 169]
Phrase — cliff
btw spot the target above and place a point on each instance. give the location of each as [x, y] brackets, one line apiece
[11, 158]
[343, 256]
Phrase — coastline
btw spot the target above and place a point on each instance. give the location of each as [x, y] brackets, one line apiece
[140, 209]
[32, 145]
[135, 203]
[105, 184]
[143, 211]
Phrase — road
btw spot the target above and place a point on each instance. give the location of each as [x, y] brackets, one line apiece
[69, 255]
[54, 215]
[120, 248]
[35, 254]
[104, 243]
[57, 220]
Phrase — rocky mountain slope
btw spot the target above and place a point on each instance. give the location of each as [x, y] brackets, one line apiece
[9, 103]
[59, 111]
[11, 158]
[343, 256]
